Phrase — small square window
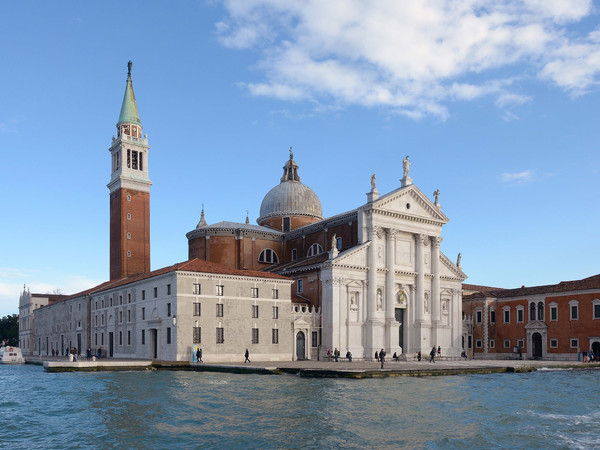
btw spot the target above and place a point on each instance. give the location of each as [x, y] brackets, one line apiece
[506, 343]
[574, 343]
[520, 343]
[553, 343]
[255, 335]
[254, 292]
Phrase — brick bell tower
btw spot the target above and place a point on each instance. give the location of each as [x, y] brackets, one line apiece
[129, 188]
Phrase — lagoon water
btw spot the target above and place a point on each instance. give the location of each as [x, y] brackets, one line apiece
[163, 409]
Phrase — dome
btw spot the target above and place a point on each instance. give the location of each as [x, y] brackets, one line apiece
[290, 197]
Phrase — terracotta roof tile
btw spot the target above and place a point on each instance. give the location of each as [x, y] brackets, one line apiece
[592, 282]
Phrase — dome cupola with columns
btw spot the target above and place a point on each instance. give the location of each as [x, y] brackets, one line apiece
[290, 204]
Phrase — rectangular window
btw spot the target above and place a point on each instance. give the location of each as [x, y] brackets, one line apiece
[470, 341]
[275, 312]
[128, 298]
[143, 337]
[294, 254]
[102, 339]
[95, 338]
[275, 293]
[493, 316]
[314, 339]
[553, 343]
[102, 319]
[120, 316]
[220, 289]
[300, 286]
[96, 320]
[338, 243]
[478, 343]
[506, 343]
[128, 315]
[275, 335]
[255, 311]
[120, 338]
[492, 343]
[520, 343]
[197, 335]
[197, 309]
[168, 335]
[478, 316]
[597, 311]
[120, 299]
[220, 335]
[254, 292]
[128, 337]
[520, 315]
[554, 313]
[219, 310]
[168, 289]
[168, 309]
[155, 292]
[255, 335]
[197, 289]
[574, 343]
[574, 312]
[507, 316]
[286, 224]
[143, 295]
[143, 313]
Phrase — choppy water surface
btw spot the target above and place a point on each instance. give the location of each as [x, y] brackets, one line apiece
[163, 409]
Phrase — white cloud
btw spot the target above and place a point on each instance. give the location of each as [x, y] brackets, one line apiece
[412, 56]
[518, 177]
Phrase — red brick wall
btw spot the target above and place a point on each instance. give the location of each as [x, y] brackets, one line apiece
[139, 228]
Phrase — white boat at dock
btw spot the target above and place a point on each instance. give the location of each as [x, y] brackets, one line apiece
[11, 355]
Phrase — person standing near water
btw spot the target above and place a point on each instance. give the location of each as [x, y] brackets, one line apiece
[432, 355]
[247, 356]
[199, 355]
[382, 357]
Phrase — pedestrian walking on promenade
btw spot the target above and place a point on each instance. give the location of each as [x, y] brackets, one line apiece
[247, 356]
[432, 355]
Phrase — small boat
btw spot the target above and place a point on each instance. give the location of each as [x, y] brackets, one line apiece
[11, 355]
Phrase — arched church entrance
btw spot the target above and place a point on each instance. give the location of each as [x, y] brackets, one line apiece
[596, 348]
[536, 341]
[300, 346]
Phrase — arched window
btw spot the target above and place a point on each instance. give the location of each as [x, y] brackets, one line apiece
[541, 311]
[268, 256]
[315, 249]
[532, 311]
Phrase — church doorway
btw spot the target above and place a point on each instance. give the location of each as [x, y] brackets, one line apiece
[300, 346]
[596, 348]
[536, 341]
[154, 342]
[111, 344]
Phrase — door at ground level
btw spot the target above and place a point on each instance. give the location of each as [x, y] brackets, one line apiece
[536, 341]
[300, 345]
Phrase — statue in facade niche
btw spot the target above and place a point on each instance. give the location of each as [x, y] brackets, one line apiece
[379, 300]
[373, 188]
[406, 166]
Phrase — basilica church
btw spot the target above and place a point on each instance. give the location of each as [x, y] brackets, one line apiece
[363, 280]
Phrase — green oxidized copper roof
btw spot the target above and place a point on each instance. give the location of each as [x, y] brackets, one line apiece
[129, 111]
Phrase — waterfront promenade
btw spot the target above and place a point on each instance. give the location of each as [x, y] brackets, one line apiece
[318, 369]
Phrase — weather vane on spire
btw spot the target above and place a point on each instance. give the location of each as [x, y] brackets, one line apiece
[129, 64]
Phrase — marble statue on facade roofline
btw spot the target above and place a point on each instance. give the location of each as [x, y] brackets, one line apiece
[291, 153]
[333, 242]
[129, 64]
[373, 187]
[436, 194]
[406, 166]
[458, 260]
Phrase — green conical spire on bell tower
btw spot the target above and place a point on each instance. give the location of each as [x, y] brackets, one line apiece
[129, 111]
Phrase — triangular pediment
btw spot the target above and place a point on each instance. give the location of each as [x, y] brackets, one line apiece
[409, 202]
[449, 269]
[356, 256]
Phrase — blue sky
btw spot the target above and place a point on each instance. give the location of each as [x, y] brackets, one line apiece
[495, 102]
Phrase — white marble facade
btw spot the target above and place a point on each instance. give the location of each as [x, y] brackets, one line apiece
[395, 290]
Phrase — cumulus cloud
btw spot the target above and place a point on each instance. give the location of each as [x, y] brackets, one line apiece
[412, 56]
[518, 177]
